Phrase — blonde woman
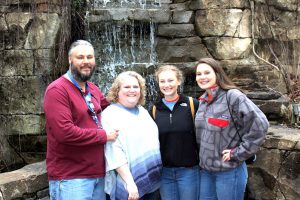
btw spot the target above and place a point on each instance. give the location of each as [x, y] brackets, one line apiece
[174, 117]
[133, 161]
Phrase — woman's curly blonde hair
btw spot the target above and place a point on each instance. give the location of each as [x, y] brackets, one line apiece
[115, 88]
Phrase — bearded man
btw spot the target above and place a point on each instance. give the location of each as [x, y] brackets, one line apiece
[75, 137]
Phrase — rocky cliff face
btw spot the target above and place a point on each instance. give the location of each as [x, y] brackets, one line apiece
[29, 48]
[241, 34]
[276, 173]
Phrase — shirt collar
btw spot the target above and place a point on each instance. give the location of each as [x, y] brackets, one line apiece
[213, 93]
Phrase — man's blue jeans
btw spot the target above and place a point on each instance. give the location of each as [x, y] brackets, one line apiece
[180, 183]
[77, 189]
[227, 185]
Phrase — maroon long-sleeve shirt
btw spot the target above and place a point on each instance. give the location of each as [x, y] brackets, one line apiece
[75, 146]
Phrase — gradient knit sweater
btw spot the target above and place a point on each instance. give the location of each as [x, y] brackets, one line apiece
[137, 145]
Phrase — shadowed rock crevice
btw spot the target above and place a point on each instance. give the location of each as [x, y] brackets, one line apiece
[10, 159]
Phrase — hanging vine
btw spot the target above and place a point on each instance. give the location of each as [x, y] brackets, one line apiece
[291, 79]
[64, 40]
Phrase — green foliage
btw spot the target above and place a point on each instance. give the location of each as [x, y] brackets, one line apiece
[77, 4]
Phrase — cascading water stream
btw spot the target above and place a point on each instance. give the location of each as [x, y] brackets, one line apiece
[123, 44]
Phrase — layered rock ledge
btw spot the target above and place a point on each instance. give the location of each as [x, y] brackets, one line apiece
[29, 182]
[276, 173]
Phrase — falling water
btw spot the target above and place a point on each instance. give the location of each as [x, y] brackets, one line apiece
[122, 43]
[119, 46]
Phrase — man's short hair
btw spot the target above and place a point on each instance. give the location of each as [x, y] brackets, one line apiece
[79, 43]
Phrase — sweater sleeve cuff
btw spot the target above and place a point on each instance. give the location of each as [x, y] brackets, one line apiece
[233, 154]
[102, 136]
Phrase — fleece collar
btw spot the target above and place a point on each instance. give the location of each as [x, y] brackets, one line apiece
[209, 97]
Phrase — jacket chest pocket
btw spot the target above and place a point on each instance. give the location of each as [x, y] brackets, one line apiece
[217, 124]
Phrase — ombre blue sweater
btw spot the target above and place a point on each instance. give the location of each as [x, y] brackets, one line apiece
[137, 145]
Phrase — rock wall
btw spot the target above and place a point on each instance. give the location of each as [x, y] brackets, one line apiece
[27, 183]
[276, 173]
[30, 50]
[245, 35]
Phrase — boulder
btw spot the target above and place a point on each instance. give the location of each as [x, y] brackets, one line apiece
[276, 173]
[183, 17]
[187, 49]
[24, 95]
[221, 22]
[32, 31]
[17, 63]
[228, 48]
[124, 14]
[27, 180]
[176, 30]
[18, 125]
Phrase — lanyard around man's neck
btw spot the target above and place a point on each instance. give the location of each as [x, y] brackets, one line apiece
[87, 98]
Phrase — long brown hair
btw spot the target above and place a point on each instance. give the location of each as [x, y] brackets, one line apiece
[222, 80]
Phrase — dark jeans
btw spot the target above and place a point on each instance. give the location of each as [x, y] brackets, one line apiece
[150, 196]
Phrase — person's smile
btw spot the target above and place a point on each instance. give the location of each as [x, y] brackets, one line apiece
[205, 76]
[129, 93]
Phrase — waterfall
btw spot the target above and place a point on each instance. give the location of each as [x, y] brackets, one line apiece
[123, 44]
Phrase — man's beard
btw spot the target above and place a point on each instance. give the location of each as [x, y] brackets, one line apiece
[79, 76]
